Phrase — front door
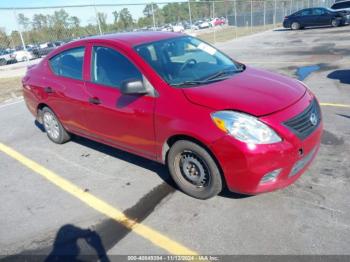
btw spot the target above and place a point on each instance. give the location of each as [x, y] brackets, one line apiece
[122, 120]
[321, 16]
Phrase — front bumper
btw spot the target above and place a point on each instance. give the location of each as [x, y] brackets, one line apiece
[245, 165]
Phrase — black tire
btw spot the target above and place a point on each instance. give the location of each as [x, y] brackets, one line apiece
[295, 26]
[62, 136]
[186, 157]
[335, 23]
[3, 62]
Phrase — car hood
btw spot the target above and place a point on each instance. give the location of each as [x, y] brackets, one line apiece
[256, 92]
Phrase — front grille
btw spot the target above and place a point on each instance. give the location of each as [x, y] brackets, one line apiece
[306, 122]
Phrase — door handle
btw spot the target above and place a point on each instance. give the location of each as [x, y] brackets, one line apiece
[94, 100]
[49, 90]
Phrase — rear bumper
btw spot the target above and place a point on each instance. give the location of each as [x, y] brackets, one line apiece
[286, 24]
[245, 165]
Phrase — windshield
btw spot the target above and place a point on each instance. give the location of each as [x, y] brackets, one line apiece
[187, 61]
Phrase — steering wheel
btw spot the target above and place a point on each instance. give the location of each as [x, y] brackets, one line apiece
[190, 61]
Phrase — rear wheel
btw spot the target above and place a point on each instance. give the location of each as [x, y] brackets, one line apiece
[54, 129]
[194, 170]
[295, 26]
[335, 22]
[3, 62]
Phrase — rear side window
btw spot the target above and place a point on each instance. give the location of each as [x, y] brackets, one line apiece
[111, 68]
[341, 5]
[305, 12]
[69, 63]
[318, 11]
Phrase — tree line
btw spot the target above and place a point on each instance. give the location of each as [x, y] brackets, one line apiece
[62, 26]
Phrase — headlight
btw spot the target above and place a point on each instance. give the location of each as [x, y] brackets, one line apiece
[245, 128]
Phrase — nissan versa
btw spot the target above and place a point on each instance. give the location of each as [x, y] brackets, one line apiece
[174, 99]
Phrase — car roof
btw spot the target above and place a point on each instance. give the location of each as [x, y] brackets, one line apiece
[128, 40]
[136, 38]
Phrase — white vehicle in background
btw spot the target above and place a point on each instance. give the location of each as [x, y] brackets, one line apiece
[22, 55]
[194, 26]
[342, 6]
[167, 28]
[178, 28]
[204, 24]
[6, 57]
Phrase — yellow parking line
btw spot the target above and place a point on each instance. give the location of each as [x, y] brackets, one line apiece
[333, 104]
[146, 232]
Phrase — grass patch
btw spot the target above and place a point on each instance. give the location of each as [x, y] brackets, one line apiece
[229, 33]
[10, 88]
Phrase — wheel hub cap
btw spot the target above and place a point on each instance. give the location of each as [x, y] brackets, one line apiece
[51, 125]
[194, 169]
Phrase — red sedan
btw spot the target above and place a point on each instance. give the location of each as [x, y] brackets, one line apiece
[177, 100]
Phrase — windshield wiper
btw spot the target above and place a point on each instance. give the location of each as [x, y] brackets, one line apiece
[224, 72]
[218, 76]
[190, 83]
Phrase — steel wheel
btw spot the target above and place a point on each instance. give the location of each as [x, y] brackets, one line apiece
[193, 168]
[51, 125]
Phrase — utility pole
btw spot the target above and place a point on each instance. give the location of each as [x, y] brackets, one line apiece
[251, 16]
[189, 12]
[235, 5]
[154, 19]
[97, 19]
[214, 23]
[19, 30]
[275, 15]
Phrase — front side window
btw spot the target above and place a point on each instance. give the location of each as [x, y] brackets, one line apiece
[187, 61]
[69, 63]
[111, 68]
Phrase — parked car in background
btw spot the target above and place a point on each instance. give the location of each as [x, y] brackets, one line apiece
[195, 26]
[22, 55]
[6, 57]
[45, 48]
[218, 21]
[203, 24]
[318, 16]
[178, 28]
[342, 6]
[166, 28]
[176, 100]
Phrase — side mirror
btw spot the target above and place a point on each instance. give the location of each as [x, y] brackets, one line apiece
[133, 87]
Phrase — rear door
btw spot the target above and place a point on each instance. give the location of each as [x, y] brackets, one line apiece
[306, 18]
[63, 87]
[122, 120]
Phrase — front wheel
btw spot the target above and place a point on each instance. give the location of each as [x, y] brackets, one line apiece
[194, 170]
[54, 129]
